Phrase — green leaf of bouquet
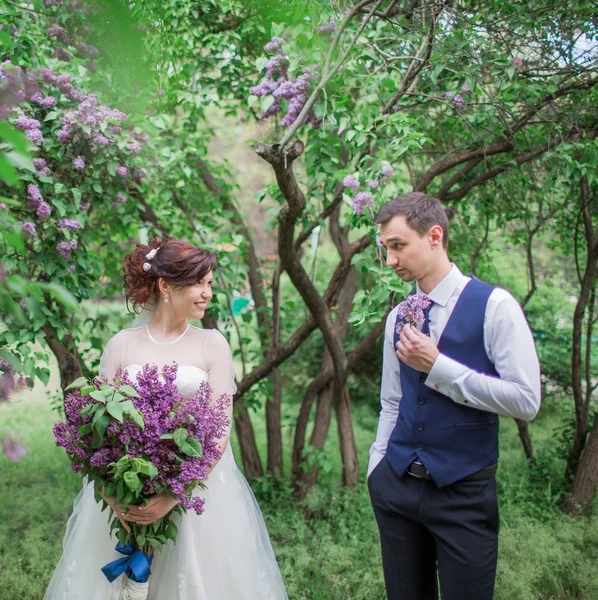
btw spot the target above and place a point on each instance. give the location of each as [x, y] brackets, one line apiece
[167, 436]
[172, 531]
[140, 539]
[137, 418]
[132, 481]
[100, 424]
[99, 396]
[128, 390]
[77, 384]
[87, 390]
[155, 544]
[180, 435]
[85, 429]
[192, 447]
[116, 410]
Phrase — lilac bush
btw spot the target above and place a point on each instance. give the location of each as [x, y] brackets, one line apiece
[365, 198]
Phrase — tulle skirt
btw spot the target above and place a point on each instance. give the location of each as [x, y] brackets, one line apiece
[223, 554]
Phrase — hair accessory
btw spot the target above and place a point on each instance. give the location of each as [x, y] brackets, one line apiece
[147, 266]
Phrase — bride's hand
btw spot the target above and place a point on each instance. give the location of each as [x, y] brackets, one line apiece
[158, 507]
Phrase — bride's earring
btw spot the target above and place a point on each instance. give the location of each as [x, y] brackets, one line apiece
[165, 297]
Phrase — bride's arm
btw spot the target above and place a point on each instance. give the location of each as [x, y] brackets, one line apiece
[221, 378]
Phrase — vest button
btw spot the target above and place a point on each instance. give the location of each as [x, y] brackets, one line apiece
[421, 400]
[420, 427]
[420, 447]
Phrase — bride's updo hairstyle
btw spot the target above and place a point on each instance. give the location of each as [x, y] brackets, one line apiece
[179, 263]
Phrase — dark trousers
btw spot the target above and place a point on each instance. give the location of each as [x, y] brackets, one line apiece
[428, 534]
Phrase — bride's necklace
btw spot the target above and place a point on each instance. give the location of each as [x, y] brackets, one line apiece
[151, 337]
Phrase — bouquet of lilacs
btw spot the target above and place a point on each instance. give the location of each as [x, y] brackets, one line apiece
[138, 439]
[412, 311]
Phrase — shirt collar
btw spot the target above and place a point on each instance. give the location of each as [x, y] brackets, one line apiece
[445, 288]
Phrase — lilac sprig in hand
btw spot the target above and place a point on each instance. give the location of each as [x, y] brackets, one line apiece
[411, 311]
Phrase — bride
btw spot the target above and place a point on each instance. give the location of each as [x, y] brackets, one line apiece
[225, 553]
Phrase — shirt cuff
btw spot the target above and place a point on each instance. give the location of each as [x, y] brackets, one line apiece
[443, 375]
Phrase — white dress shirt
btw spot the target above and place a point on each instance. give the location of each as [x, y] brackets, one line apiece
[509, 345]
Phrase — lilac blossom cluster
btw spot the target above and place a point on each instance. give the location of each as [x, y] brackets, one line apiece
[364, 198]
[7, 379]
[66, 247]
[70, 224]
[412, 311]
[164, 412]
[15, 87]
[279, 84]
[37, 202]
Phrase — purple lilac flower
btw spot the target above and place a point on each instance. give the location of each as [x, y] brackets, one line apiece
[64, 134]
[28, 228]
[273, 109]
[517, 63]
[41, 167]
[101, 140]
[285, 89]
[44, 210]
[274, 45]
[374, 183]
[133, 147]
[411, 311]
[458, 101]
[25, 123]
[14, 450]
[86, 50]
[122, 171]
[44, 101]
[265, 87]
[34, 135]
[387, 171]
[72, 269]
[70, 224]
[79, 163]
[3, 206]
[83, 206]
[277, 65]
[121, 198]
[295, 107]
[115, 129]
[66, 247]
[61, 54]
[60, 34]
[465, 89]
[91, 66]
[328, 28]
[350, 181]
[34, 195]
[362, 200]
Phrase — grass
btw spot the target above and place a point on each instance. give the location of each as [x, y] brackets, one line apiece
[327, 547]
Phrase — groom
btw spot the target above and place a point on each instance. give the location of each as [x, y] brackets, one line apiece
[432, 467]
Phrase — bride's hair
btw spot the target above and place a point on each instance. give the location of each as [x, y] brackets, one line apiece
[179, 263]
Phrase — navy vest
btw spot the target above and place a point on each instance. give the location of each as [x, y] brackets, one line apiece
[451, 440]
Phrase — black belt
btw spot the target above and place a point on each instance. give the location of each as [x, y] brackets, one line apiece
[421, 472]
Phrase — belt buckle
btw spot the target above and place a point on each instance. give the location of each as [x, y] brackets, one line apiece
[417, 476]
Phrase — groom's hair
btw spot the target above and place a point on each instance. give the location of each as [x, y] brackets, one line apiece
[420, 210]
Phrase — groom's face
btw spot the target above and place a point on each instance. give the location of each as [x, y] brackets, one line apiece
[408, 253]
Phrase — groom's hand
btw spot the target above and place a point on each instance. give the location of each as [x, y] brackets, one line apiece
[416, 349]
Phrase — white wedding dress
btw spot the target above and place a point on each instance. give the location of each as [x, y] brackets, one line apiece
[223, 554]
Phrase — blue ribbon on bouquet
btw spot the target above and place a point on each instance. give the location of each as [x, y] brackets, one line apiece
[135, 564]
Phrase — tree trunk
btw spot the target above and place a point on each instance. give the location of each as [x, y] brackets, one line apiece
[588, 283]
[252, 464]
[273, 426]
[69, 363]
[583, 490]
[523, 429]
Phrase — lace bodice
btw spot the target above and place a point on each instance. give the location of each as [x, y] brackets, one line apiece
[201, 355]
[187, 380]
